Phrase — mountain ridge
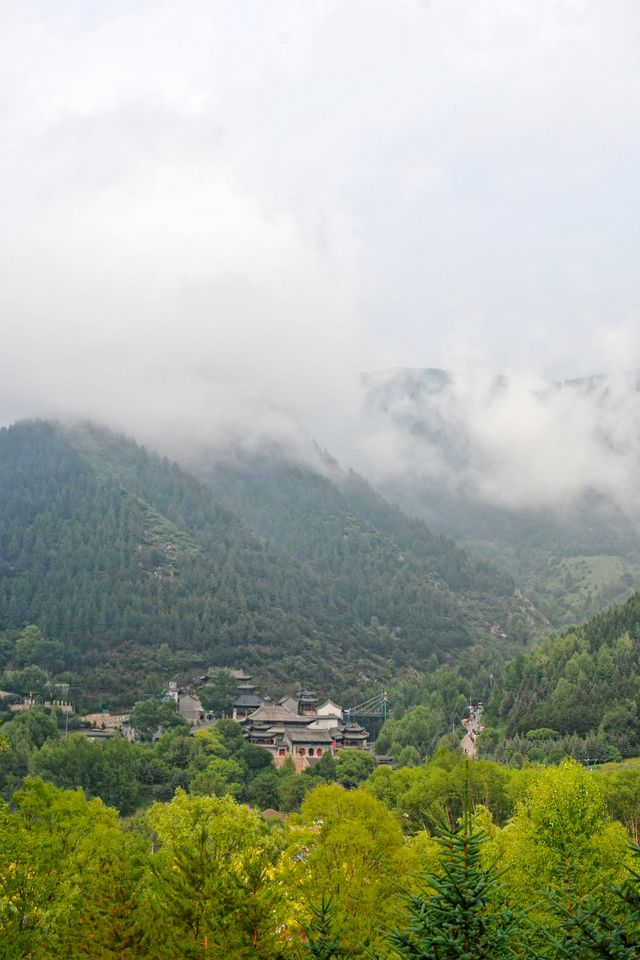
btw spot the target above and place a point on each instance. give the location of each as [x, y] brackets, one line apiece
[114, 551]
[577, 691]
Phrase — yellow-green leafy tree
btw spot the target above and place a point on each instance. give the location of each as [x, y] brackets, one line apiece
[345, 845]
[561, 845]
[68, 877]
[213, 887]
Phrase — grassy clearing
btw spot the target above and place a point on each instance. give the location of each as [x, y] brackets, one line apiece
[631, 763]
[572, 589]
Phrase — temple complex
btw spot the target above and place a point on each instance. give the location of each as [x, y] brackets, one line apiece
[297, 727]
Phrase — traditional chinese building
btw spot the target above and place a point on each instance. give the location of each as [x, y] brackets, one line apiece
[328, 715]
[190, 709]
[307, 743]
[307, 702]
[291, 703]
[247, 699]
[354, 736]
[303, 737]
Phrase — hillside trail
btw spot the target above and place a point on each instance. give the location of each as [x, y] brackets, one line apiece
[473, 727]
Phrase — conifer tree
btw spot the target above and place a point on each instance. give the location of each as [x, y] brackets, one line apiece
[460, 913]
[322, 942]
[594, 933]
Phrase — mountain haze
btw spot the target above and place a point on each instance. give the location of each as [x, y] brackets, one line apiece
[537, 477]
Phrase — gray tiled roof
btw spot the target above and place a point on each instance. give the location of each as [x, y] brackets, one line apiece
[248, 700]
[269, 713]
[309, 736]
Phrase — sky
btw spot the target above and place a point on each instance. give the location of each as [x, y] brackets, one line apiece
[215, 216]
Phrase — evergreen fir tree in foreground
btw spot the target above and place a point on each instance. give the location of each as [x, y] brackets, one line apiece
[461, 915]
[322, 943]
[593, 934]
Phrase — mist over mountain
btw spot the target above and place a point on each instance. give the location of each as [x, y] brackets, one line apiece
[196, 257]
[215, 220]
[512, 440]
[538, 475]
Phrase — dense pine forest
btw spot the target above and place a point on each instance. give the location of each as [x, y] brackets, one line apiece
[577, 693]
[115, 552]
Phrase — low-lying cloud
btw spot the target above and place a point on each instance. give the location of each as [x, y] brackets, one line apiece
[515, 441]
[214, 217]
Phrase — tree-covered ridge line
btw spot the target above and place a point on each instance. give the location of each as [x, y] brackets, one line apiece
[347, 877]
[289, 502]
[114, 551]
[577, 693]
[574, 694]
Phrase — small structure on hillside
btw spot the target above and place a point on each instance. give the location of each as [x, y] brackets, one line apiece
[247, 698]
[92, 733]
[354, 736]
[307, 702]
[328, 715]
[35, 703]
[241, 676]
[291, 703]
[188, 704]
[105, 721]
[191, 709]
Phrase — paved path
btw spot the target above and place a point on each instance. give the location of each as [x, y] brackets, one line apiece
[468, 742]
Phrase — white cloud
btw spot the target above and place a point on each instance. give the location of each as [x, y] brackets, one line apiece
[515, 441]
[214, 215]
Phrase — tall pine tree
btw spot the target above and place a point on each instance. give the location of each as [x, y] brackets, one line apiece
[460, 914]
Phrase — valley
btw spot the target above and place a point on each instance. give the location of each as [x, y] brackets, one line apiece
[120, 569]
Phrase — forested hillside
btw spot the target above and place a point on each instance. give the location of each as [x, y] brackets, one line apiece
[114, 551]
[115, 555]
[373, 555]
[574, 693]
[306, 512]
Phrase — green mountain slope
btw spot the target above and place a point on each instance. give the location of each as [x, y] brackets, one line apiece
[113, 551]
[572, 565]
[370, 554]
[583, 683]
[307, 512]
[107, 547]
